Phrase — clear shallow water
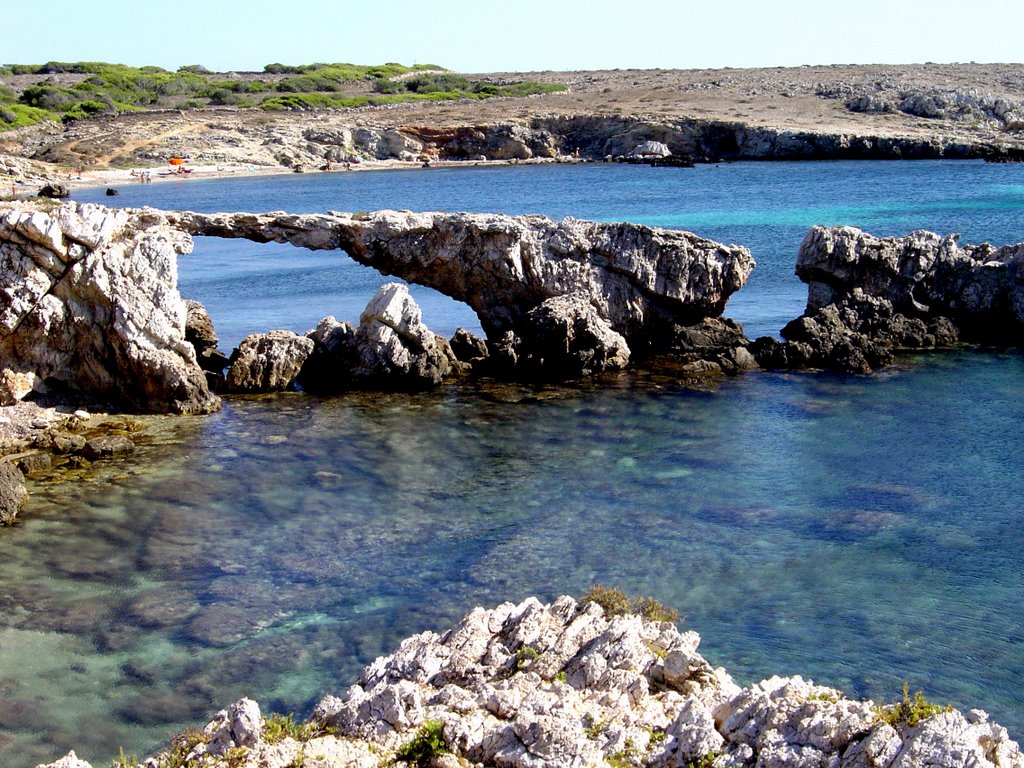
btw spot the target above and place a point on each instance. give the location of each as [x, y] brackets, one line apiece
[859, 530]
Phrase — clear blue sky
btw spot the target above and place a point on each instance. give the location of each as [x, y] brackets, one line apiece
[519, 36]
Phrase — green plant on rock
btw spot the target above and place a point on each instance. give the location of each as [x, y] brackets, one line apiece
[611, 599]
[593, 727]
[911, 710]
[236, 757]
[829, 696]
[277, 727]
[625, 757]
[182, 745]
[614, 602]
[123, 761]
[427, 743]
[704, 761]
[524, 656]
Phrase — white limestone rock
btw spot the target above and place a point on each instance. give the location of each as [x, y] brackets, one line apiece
[70, 760]
[88, 298]
[268, 362]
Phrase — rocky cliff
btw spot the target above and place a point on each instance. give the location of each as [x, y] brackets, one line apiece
[566, 685]
[90, 303]
[867, 296]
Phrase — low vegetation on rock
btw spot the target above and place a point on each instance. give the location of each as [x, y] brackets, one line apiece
[424, 746]
[615, 602]
[68, 91]
[910, 710]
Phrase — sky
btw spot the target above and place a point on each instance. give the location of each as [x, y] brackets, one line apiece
[527, 35]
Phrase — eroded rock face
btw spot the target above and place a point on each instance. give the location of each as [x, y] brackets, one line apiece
[639, 280]
[867, 296]
[268, 362]
[89, 300]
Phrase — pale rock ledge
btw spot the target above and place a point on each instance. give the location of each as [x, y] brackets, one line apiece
[565, 686]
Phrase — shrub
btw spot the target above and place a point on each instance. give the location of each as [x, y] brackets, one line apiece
[614, 602]
[910, 711]
[426, 744]
[277, 727]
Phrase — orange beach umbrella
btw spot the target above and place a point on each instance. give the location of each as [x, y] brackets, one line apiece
[176, 161]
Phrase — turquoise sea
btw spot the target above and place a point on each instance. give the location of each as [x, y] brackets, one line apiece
[859, 530]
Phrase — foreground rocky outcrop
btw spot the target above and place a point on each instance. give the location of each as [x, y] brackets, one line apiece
[90, 303]
[566, 685]
[868, 296]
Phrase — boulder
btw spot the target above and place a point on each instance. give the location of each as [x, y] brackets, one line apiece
[467, 347]
[15, 385]
[108, 447]
[267, 362]
[392, 349]
[89, 302]
[54, 190]
[12, 492]
[649, 150]
[562, 338]
[396, 350]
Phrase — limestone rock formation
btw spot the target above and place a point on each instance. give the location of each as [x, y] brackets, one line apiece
[70, 760]
[868, 296]
[391, 349]
[562, 338]
[548, 686]
[12, 492]
[268, 362]
[639, 280]
[89, 301]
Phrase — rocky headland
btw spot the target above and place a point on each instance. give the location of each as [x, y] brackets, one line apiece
[869, 112]
[575, 684]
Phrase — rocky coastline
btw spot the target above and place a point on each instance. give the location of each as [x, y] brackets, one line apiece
[588, 683]
[91, 307]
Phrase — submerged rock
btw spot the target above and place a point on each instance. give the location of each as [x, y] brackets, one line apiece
[12, 492]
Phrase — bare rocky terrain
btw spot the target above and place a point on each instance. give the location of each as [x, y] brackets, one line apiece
[926, 110]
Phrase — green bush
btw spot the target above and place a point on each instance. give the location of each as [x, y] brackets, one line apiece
[614, 602]
[910, 710]
[426, 744]
[23, 115]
